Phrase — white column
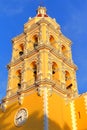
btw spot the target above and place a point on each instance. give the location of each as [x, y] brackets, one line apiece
[45, 109]
[73, 116]
[85, 100]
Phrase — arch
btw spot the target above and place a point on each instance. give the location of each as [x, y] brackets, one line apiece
[64, 51]
[18, 76]
[68, 81]
[53, 41]
[55, 73]
[21, 49]
[35, 38]
[18, 72]
[35, 41]
[33, 67]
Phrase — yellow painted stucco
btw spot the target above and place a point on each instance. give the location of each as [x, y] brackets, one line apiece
[35, 114]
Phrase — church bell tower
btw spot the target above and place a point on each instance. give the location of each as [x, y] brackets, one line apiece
[42, 58]
[41, 76]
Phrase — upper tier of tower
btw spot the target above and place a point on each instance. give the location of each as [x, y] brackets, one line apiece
[40, 16]
[42, 29]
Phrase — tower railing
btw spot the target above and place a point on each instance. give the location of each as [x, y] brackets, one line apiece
[35, 84]
[48, 46]
[53, 83]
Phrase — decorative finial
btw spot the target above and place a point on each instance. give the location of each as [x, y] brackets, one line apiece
[41, 12]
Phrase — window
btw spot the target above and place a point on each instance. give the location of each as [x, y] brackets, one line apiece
[64, 51]
[34, 70]
[68, 81]
[18, 74]
[21, 49]
[35, 41]
[52, 40]
[55, 73]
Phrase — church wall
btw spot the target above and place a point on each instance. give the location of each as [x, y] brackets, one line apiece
[34, 105]
[59, 113]
[80, 111]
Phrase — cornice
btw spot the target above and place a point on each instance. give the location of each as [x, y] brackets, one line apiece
[18, 38]
[65, 39]
[44, 46]
[45, 21]
[31, 28]
[22, 58]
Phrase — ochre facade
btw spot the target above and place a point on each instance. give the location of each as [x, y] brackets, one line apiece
[42, 91]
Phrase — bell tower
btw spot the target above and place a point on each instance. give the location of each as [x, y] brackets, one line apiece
[41, 74]
[42, 56]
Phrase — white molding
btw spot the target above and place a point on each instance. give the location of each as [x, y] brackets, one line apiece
[45, 108]
[73, 116]
[85, 100]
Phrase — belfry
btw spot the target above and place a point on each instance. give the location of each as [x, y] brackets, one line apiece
[42, 91]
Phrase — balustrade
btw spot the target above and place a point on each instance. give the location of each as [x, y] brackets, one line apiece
[31, 84]
[48, 46]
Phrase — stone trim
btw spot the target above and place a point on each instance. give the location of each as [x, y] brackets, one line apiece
[73, 115]
[45, 99]
[85, 100]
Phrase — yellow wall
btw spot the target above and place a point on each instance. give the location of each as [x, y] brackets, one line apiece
[59, 113]
[81, 115]
[34, 104]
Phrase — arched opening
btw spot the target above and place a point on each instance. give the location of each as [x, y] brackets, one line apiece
[18, 75]
[68, 80]
[64, 51]
[51, 39]
[55, 73]
[21, 49]
[53, 42]
[35, 41]
[33, 70]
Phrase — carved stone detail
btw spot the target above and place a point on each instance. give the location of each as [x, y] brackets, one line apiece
[50, 90]
[4, 106]
[40, 91]
[20, 99]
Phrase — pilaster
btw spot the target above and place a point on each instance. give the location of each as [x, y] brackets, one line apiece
[45, 99]
[73, 115]
[85, 100]
[43, 33]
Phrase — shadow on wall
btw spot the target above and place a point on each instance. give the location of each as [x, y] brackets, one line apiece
[34, 122]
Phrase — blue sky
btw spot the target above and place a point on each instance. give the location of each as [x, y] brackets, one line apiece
[70, 14]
